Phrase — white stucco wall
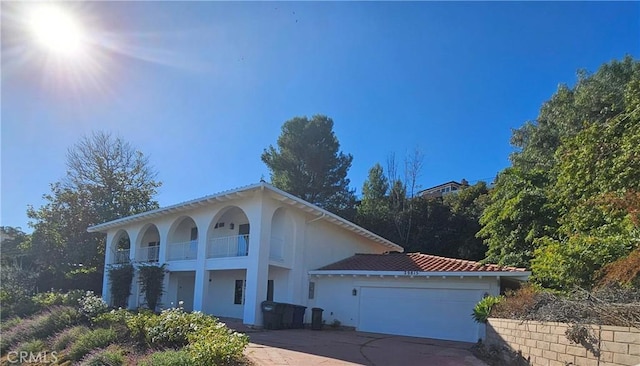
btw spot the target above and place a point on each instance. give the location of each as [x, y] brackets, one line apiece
[219, 300]
[335, 294]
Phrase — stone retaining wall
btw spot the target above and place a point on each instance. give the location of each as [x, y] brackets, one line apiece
[545, 343]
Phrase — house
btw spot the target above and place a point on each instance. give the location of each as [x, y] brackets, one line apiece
[228, 252]
[444, 189]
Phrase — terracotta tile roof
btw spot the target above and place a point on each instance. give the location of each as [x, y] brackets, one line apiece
[413, 262]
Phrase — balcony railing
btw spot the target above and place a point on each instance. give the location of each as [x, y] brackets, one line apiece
[228, 246]
[276, 249]
[149, 254]
[121, 256]
[182, 251]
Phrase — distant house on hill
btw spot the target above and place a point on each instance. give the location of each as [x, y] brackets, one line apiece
[444, 189]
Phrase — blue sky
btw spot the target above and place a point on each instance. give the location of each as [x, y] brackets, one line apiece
[203, 87]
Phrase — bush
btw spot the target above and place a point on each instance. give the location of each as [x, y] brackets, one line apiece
[216, 344]
[170, 329]
[63, 339]
[111, 356]
[51, 298]
[120, 279]
[40, 326]
[116, 319]
[6, 325]
[91, 305]
[33, 346]
[517, 304]
[482, 310]
[168, 358]
[87, 342]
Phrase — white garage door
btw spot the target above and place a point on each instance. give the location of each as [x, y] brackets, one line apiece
[429, 313]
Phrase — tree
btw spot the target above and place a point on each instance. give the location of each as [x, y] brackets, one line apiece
[308, 164]
[597, 190]
[373, 211]
[106, 179]
[530, 204]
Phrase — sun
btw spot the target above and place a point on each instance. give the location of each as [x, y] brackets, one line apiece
[57, 31]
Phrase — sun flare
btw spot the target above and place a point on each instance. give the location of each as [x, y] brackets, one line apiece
[57, 31]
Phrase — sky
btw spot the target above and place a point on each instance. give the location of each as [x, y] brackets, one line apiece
[202, 88]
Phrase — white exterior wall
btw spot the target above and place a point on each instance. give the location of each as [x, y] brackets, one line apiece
[308, 243]
[219, 300]
[335, 294]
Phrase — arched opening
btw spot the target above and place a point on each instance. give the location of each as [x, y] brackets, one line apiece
[120, 248]
[149, 244]
[282, 232]
[228, 234]
[183, 240]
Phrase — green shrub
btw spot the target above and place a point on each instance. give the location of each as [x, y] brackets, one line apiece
[40, 326]
[113, 355]
[94, 339]
[216, 344]
[63, 339]
[168, 358]
[51, 298]
[91, 305]
[151, 283]
[482, 310]
[6, 325]
[169, 329]
[120, 279]
[116, 319]
[33, 346]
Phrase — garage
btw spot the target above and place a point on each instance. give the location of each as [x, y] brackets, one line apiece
[412, 294]
[419, 312]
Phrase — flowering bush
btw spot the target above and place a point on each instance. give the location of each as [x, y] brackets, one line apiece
[169, 329]
[215, 344]
[91, 305]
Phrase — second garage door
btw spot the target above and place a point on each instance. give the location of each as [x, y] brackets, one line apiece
[419, 312]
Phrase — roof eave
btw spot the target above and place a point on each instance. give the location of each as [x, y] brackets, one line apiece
[523, 275]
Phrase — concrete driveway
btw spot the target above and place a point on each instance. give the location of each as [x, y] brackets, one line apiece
[343, 347]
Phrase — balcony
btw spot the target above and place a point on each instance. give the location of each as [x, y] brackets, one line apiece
[187, 250]
[149, 254]
[121, 256]
[276, 249]
[228, 246]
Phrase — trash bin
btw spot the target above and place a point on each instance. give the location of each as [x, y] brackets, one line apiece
[298, 316]
[287, 316]
[272, 314]
[316, 318]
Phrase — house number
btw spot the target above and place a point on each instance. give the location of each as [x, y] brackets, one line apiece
[411, 273]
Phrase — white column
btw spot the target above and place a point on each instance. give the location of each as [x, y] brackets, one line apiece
[133, 252]
[201, 286]
[108, 258]
[259, 215]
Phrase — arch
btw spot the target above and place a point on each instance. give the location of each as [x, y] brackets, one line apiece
[228, 233]
[120, 247]
[148, 244]
[182, 241]
[282, 235]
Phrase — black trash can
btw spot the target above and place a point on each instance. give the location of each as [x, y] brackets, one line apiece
[298, 316]
[287, 316]
[272, 315]
[316, 318]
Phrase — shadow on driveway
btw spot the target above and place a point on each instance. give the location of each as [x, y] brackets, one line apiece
[343, 347]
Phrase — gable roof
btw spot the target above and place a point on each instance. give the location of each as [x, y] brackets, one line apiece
[414, 262]
[278, 194]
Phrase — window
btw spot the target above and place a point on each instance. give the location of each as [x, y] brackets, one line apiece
[312, 290]
[238, 296]
[194, 233]
[270, 290]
